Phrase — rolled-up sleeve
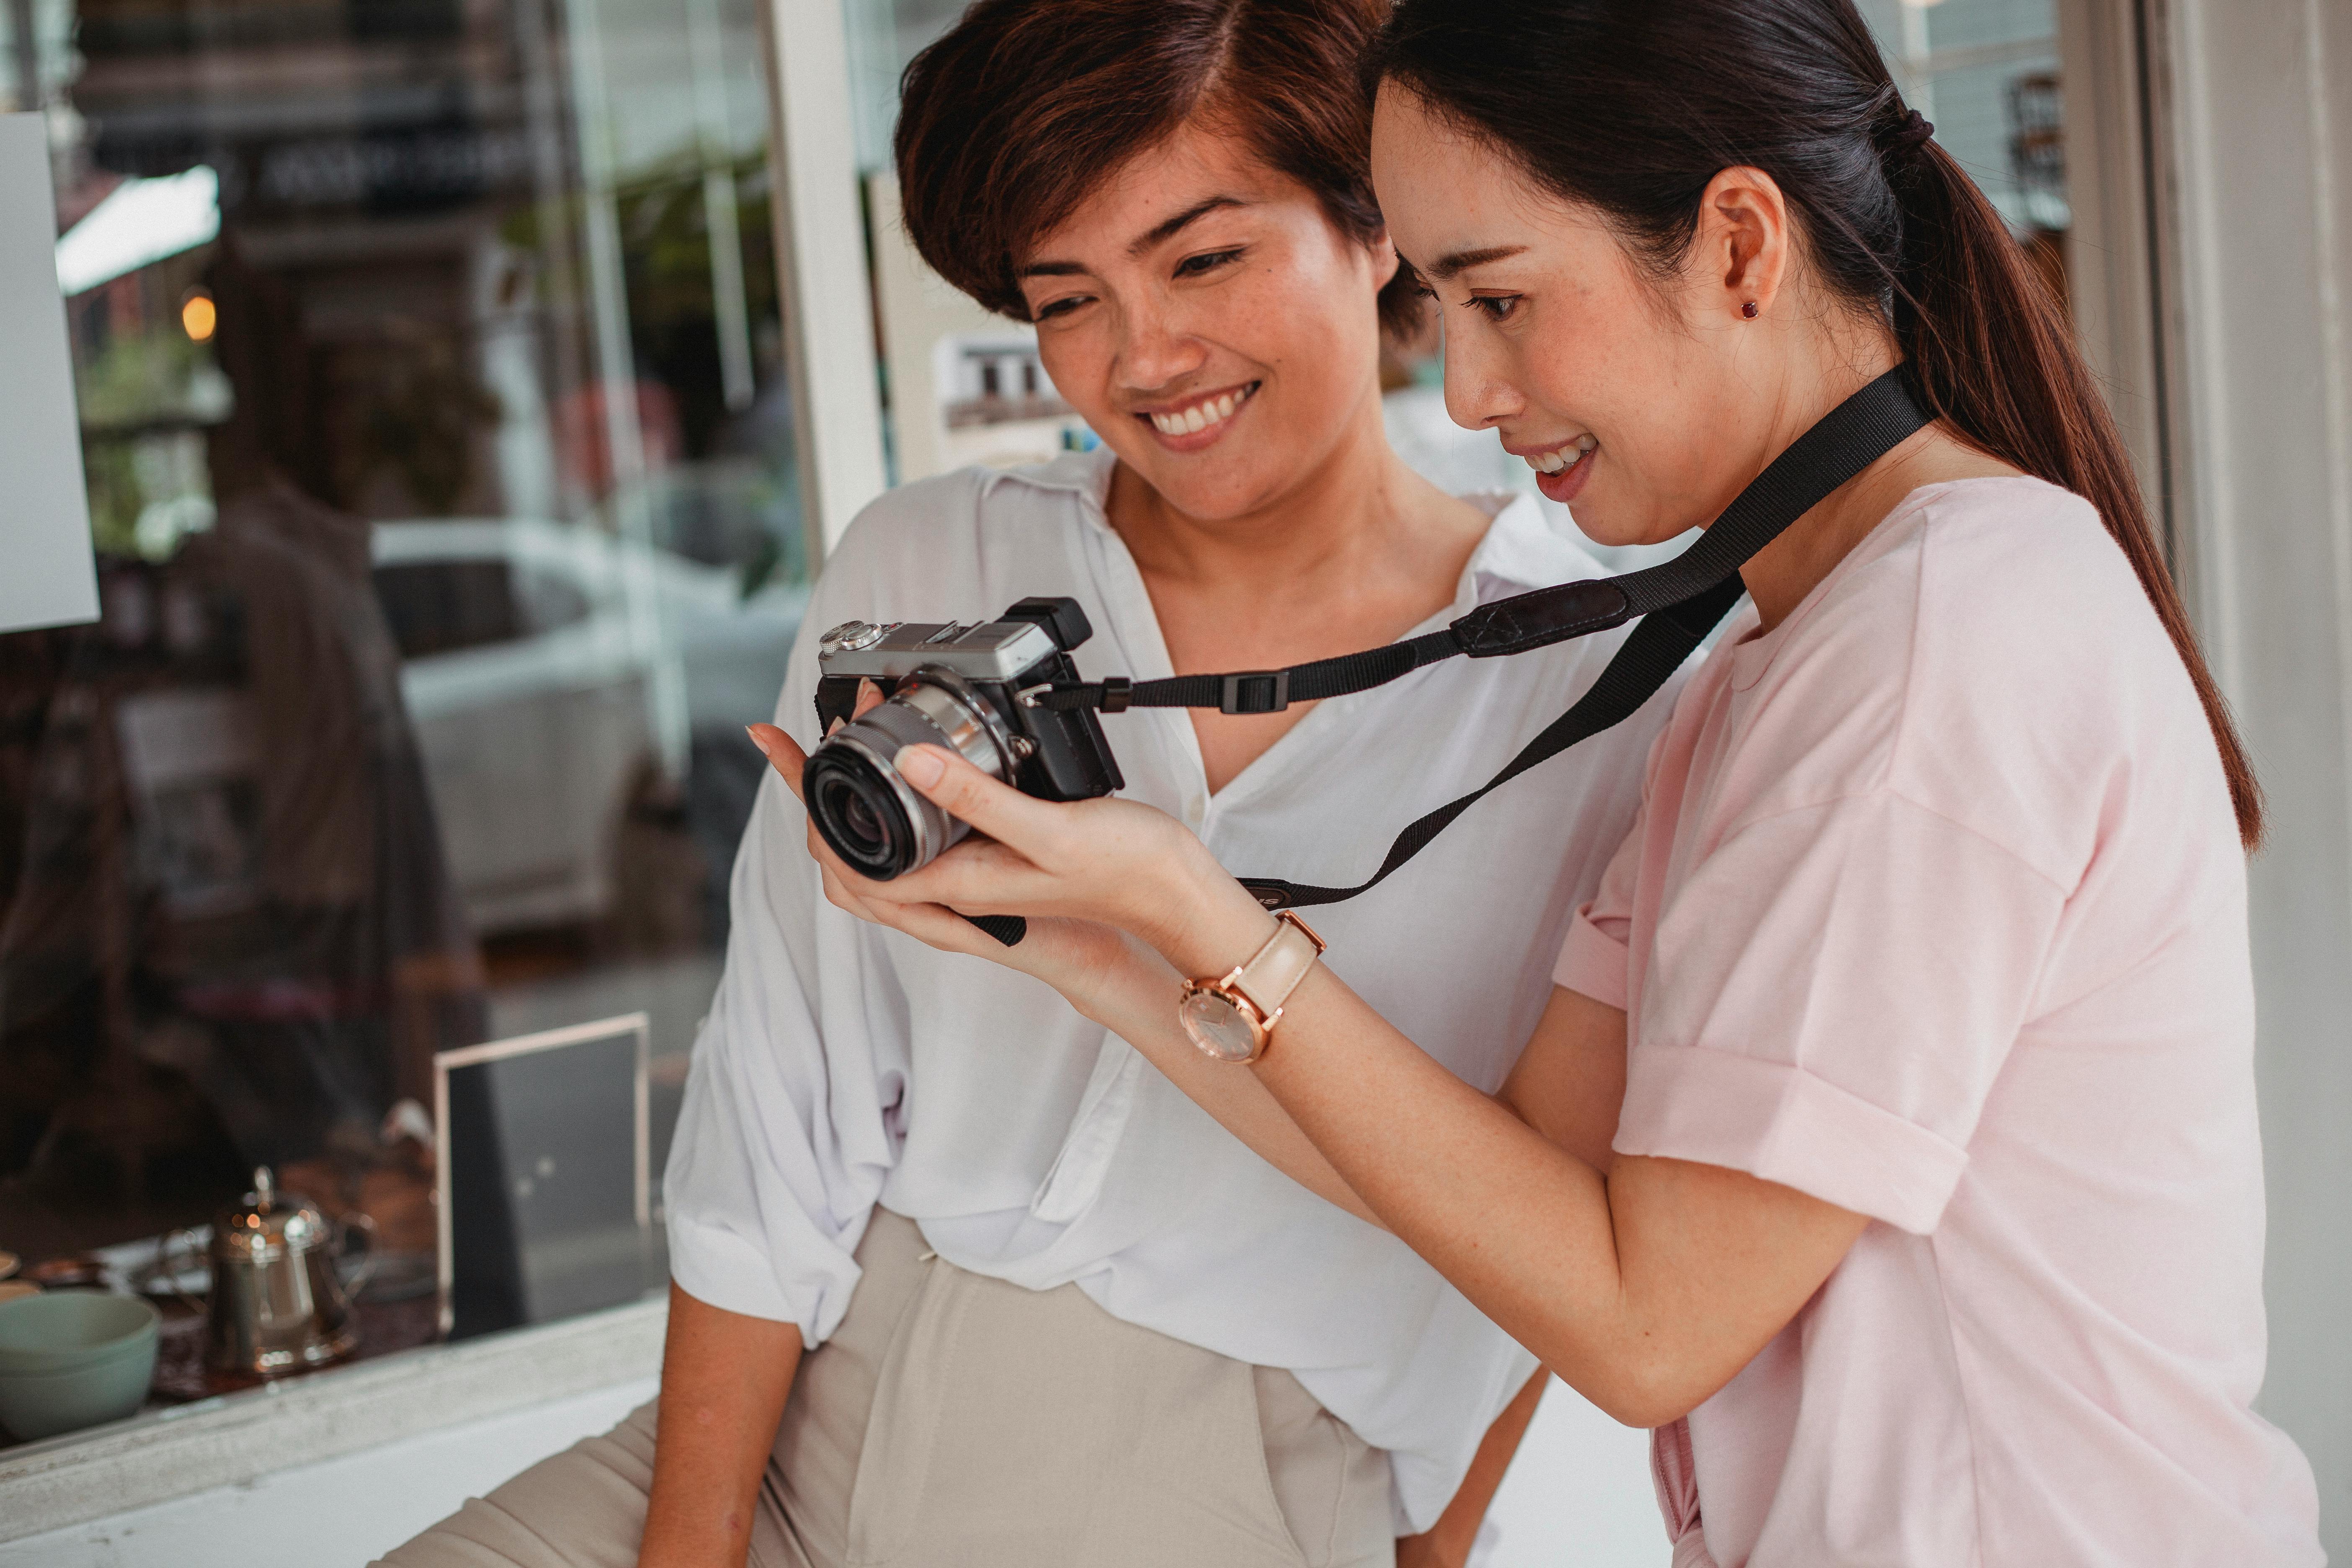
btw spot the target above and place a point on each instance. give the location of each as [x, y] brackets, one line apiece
[1593, 961]
[1829, 999]
[788, 1128]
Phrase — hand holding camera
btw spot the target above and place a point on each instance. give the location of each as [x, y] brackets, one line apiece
[903, 776]
[968, 690]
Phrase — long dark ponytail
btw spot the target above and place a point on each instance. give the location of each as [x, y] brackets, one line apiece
[1632, 106]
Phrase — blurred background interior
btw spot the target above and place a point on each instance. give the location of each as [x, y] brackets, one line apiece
[468, 389]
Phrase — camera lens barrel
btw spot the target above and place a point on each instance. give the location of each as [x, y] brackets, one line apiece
[864, 810]
[875, 820]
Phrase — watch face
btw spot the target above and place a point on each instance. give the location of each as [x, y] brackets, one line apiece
[1217, 1026]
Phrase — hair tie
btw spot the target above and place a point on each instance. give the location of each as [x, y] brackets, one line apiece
[1909, 131]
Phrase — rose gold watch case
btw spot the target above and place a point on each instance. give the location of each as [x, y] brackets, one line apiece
[1227, 988]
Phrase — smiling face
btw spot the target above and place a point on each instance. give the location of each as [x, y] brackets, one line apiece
[1646, 404]
[1205, 318]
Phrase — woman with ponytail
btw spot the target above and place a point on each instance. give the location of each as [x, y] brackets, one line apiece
[1889, 1144]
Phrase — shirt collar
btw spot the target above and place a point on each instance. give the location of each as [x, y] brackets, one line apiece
[1085, 475]
[1521, 549]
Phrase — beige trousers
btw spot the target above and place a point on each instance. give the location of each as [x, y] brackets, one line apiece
[959, 1420]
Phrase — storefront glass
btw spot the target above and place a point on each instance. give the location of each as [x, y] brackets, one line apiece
[441, 467]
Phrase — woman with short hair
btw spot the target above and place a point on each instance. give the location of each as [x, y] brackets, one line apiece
[1888, 1144]
[1011, 1297]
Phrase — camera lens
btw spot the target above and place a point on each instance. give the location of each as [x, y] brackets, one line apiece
[873, 818]
[859, 814]
[858, 820]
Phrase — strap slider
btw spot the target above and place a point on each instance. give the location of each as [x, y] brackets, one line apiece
[1255, 692]
[1116, 691]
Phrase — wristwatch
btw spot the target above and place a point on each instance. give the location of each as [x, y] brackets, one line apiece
[1231, 1018]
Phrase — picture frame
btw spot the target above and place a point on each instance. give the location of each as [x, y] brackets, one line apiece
[526, 1233]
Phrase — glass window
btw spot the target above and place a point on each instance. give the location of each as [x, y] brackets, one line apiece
[883, 35]
[440, 459]
[1986, 72]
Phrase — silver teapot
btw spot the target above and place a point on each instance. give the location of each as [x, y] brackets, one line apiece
[278, 1304]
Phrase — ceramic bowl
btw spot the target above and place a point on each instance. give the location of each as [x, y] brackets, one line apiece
[60, 1330]
[35, 1405]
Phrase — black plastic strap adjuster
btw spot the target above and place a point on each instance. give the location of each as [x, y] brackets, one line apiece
[1271, 893]
[1116, 691]
[1255, 692]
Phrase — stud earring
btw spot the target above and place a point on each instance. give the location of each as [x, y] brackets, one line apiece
[1748, 310]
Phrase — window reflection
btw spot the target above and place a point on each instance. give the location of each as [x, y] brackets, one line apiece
[430, 369]
[1987, 73]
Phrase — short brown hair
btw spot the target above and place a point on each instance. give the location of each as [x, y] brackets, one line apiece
[1015, 116]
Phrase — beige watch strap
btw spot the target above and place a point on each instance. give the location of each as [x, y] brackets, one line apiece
[1269, 977]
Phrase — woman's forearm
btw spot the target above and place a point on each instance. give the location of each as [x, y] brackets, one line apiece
[725, 1378]
[1137, 1002]
[1343, 1101]
[1645, 1288]
[1522, 1227]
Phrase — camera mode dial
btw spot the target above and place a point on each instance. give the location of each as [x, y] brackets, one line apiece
[851, 636]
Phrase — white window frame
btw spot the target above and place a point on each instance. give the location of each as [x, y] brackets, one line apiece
[821, 258]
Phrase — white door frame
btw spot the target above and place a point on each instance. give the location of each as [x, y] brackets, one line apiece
[828, 306]
[2240, 343]
[2112, 270]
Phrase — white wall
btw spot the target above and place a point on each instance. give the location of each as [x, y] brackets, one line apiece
[2260, 116]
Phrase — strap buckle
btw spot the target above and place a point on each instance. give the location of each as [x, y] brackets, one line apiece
[1113, 694]
[1254, 691]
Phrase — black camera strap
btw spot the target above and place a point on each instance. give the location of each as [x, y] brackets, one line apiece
[1680, 602]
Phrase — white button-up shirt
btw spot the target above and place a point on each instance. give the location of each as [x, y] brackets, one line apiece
[843, 1065]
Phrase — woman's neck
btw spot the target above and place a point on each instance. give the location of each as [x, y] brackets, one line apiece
[1354, 554]
[1780, 575]
[1783, 573]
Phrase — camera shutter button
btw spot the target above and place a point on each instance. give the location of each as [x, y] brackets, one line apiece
[853, 636]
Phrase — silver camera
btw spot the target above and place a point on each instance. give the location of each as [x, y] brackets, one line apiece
[958, 687]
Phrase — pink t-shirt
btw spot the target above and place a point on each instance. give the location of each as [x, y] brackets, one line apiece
[1936, 910]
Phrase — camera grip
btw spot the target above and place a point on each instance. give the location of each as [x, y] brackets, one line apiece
[1007, 929]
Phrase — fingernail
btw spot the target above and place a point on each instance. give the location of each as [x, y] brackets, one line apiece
[754, 734]
[921, 767]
